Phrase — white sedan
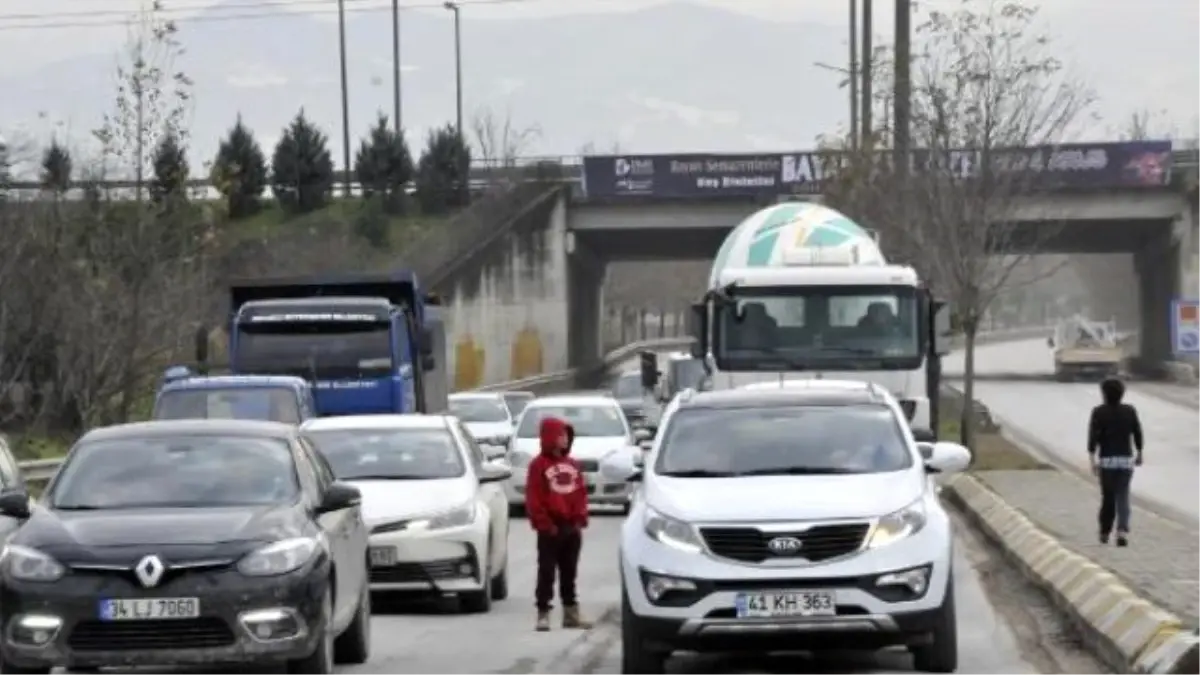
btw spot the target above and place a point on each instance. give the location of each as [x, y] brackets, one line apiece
[601, 433]
[434, 505]
[486, 416]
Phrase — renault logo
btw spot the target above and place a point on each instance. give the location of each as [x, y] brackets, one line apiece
[784, 546]
[149, 571]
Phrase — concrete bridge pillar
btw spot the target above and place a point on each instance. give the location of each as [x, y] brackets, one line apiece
[585, 284]
[1157, 264]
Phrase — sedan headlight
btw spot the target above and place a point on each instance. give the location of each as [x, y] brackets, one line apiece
[899, 524]
[671, 532]
[29, 564]
[280, 557]
[520, 460]
[459, 516]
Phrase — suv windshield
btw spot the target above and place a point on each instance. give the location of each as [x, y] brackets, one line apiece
[478, 409]
[275, 404]
[783, 440]
[176, 471]
[390, 454]
[588, 420]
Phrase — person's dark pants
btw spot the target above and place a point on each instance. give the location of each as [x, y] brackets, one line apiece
[557, 554]
[1114, 499]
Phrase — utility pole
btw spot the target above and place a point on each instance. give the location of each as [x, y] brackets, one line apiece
[396, 66]
[853, 74]
[458, 98]
[902, 97]
[345, 100]
[867, 48]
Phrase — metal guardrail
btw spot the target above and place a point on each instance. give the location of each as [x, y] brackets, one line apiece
[41, 470]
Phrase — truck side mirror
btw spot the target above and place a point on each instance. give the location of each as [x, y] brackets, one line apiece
[425, 342]
[942, 329]
[428, 362]
[649, 368]
[698, 329]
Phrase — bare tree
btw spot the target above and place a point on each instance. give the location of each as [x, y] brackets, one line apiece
[501, 143]
[989, 106]
[127, 312]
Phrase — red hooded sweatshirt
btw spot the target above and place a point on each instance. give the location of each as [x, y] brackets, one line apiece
[555, 489]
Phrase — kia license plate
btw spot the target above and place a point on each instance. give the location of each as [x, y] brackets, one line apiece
[132, 609]
[383, 556]
[785, 604]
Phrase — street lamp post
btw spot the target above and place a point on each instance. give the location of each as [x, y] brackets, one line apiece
[396, 66]
[458, 91]
[345, 99]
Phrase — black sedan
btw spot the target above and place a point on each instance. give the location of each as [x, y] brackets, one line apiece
[196, 542]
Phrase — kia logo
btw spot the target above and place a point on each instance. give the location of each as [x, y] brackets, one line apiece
[785, 545]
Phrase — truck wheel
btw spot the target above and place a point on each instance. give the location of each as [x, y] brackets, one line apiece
[941, 654]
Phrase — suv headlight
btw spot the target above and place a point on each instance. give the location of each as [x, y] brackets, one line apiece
[459, 516]
[899, 524]
[29, 564]
[671, 532]
[280, 557]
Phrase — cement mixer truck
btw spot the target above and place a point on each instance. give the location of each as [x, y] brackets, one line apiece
[798, 290]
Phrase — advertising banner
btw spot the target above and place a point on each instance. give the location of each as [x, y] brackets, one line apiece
[1087, 166]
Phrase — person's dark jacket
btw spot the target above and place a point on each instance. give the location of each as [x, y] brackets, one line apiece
[1114, 431]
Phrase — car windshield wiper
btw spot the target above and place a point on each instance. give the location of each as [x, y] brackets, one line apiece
[78, 507]
[844, 349]
[798, 471]
[697, 473]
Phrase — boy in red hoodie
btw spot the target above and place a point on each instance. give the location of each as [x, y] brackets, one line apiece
[557, 503]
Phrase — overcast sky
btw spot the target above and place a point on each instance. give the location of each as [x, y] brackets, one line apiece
[1082, 29]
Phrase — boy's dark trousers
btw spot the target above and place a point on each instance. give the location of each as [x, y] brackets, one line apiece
[557, 553]
[1114, 500]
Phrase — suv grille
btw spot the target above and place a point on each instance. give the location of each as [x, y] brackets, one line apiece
[749, 544]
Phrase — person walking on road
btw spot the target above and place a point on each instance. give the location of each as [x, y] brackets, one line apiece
[556, 501]
[1114, 433]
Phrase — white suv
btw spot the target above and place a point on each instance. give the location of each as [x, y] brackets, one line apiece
[795, 519]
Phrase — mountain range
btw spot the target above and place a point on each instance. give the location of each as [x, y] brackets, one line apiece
[666, 78]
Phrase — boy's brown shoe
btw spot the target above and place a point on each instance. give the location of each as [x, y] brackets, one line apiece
[572, 618]
[543, 622]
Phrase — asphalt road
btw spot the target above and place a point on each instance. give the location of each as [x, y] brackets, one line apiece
[1052, 417]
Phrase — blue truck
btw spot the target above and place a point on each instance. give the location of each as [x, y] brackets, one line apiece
[277, 398]
[367, 344]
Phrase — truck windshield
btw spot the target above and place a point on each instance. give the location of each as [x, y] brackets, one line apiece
[825, 327]
[316, 349]
[242, 403]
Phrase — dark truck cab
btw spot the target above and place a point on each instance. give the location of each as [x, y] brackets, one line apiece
[367, 344]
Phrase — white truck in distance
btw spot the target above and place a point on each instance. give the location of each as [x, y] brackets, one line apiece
[798, 290]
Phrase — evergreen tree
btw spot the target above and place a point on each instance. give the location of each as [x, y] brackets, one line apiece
[240, 171]
[441, 172]
[302, 168]
[56, 169]
[384, 167]
[170, 170]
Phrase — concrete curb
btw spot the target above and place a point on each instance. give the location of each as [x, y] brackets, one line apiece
[577, 657]
[1130, 634]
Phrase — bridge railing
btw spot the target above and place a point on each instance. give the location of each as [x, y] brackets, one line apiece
[38, 472]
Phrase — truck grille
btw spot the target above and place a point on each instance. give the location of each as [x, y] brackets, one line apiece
[749, 544]
[142, 635]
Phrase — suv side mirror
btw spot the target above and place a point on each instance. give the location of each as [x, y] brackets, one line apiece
[494, 472]
[15, 504]
[339, 496]
[642, 434]
[698, 329]
[945, 457]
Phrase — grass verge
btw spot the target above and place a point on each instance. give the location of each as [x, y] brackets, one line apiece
[990, 451]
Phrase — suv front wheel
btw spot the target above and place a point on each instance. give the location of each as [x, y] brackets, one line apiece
[635, 656]
[941, 654]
